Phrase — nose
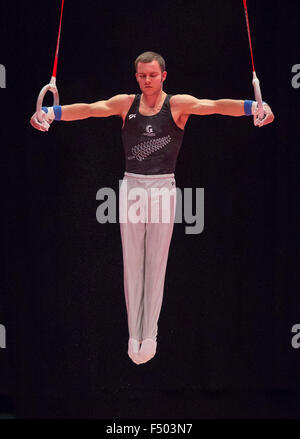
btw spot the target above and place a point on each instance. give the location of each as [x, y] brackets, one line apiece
[147, 81]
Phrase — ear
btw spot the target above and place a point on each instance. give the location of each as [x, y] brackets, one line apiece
[136, 76]
[164, 75]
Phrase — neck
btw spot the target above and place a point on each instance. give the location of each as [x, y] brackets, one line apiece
[153, 100]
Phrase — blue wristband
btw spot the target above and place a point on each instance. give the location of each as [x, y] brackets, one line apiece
[248, 108]
[56, 110]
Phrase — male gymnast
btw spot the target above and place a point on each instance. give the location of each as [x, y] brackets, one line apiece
[152, 134]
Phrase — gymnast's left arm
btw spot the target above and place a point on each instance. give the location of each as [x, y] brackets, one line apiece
[187, 104]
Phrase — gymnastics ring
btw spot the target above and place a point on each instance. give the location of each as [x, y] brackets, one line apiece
[49, 87]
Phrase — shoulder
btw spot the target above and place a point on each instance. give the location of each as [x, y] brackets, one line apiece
[181, 99]
[121, 103]
[126, 100]
[128, 97]
[129, 102]
[122, 99]
[183, 104]
[131, 98]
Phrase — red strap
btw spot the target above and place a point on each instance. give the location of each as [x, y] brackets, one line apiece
[58, 40]
[249, 35]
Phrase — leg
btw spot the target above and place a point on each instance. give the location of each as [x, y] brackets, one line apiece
[158, 238]
[133, 245]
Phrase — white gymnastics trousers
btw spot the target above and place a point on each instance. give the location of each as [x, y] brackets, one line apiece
[146, 212]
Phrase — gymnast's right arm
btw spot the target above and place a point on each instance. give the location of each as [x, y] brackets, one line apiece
[111, 107]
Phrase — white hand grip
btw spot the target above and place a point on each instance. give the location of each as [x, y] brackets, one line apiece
[49, 87]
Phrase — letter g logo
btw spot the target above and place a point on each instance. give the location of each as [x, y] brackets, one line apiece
[149, 129]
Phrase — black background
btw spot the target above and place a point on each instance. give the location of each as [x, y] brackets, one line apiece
[231, 293]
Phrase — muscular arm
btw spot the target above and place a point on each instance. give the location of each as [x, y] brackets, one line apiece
[115, 106]
[111, 107]
[188, 104]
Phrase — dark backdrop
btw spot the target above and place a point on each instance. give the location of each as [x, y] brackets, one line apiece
[231, 293]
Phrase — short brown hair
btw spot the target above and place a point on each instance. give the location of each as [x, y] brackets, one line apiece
[149, 57]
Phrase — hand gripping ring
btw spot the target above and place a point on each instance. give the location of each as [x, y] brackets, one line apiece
[49, 87]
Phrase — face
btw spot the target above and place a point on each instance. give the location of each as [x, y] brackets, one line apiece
[150, 77]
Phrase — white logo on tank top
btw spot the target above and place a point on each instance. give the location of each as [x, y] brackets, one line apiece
[149, 131]
[131, 116]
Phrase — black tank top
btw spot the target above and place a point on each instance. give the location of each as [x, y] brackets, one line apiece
[151, 143]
